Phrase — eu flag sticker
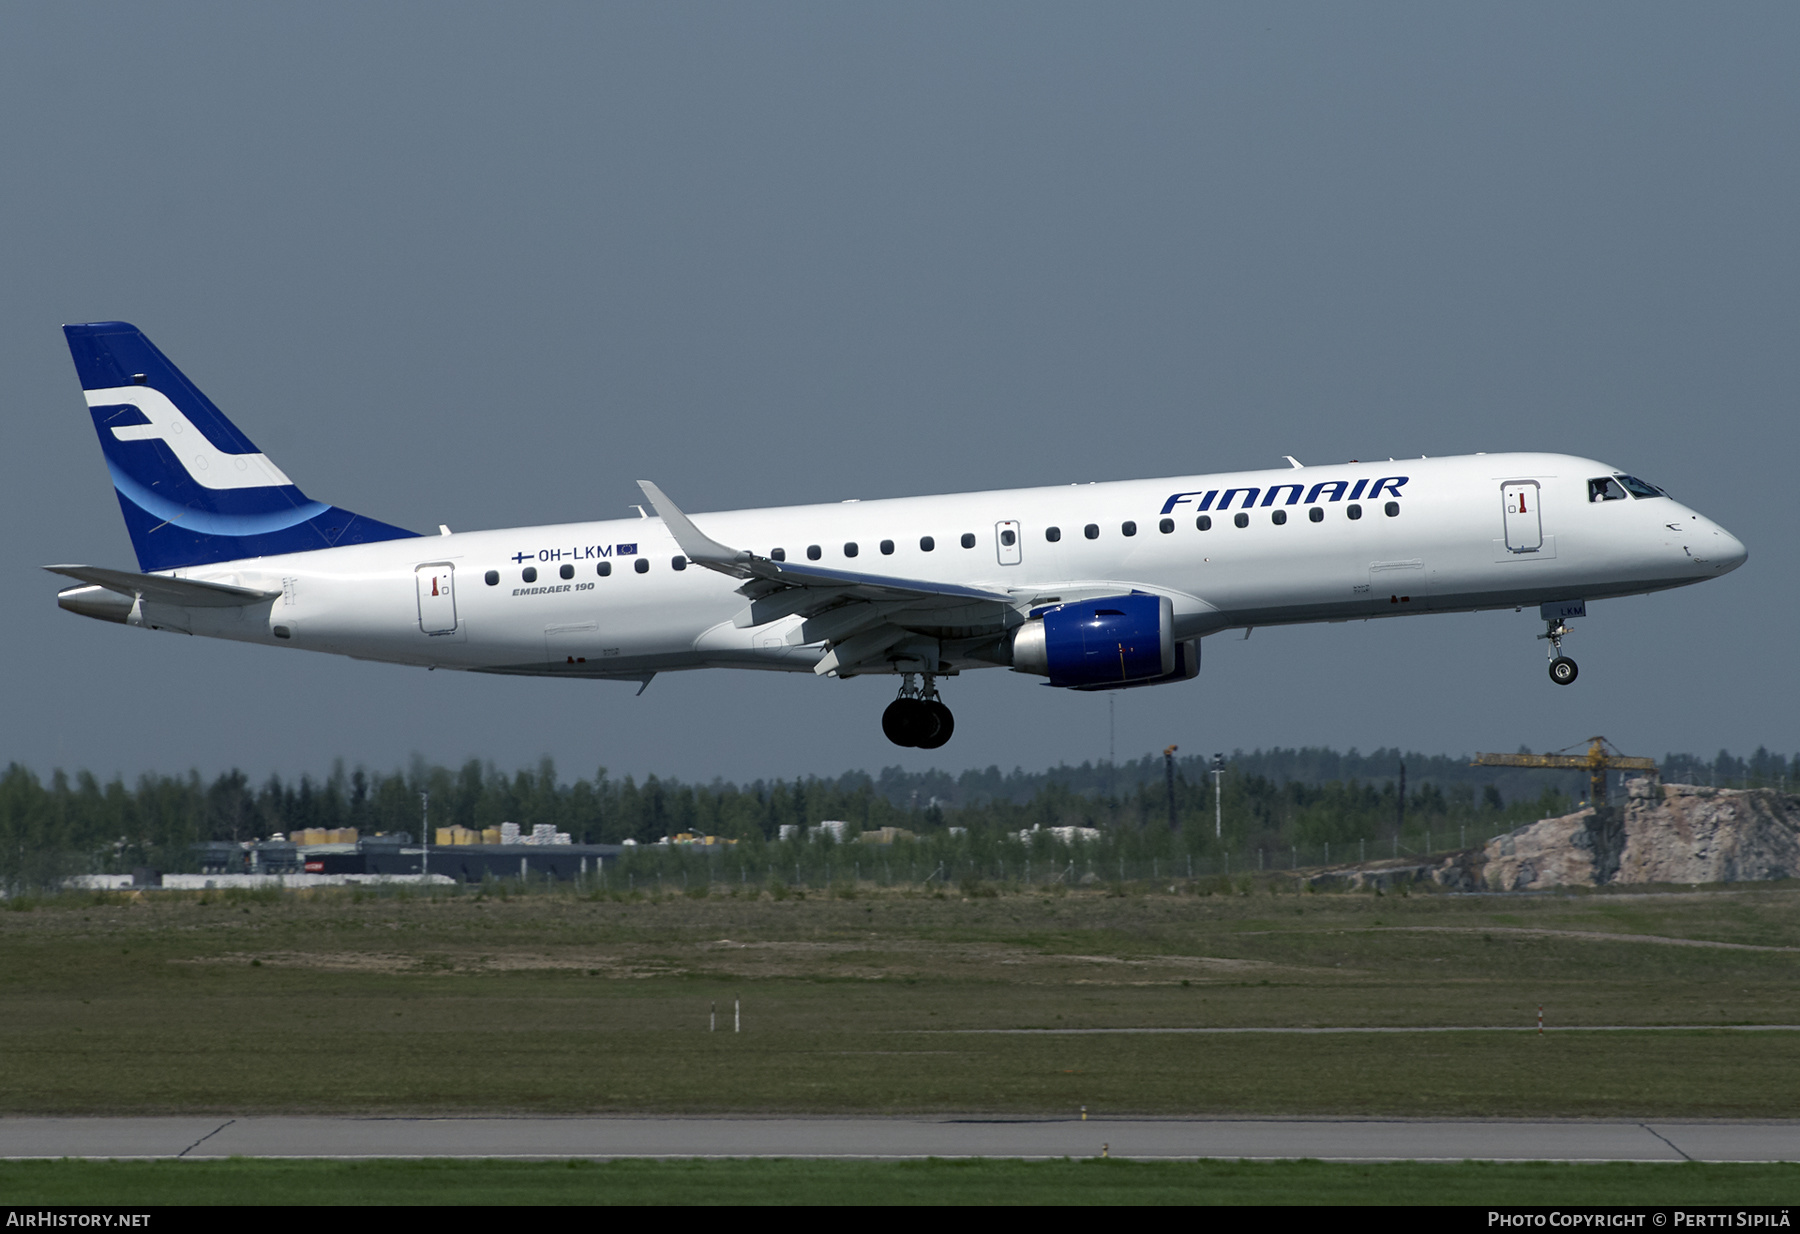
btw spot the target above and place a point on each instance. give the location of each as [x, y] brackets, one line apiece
[625, 550]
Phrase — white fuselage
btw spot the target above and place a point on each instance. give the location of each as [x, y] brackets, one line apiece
[1447, 549]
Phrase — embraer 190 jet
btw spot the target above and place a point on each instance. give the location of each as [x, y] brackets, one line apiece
[1091, 586]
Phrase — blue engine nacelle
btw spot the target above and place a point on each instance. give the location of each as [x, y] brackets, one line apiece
[1105, 644]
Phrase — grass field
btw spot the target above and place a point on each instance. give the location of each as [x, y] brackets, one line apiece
[788, 1182]
[860, 1001]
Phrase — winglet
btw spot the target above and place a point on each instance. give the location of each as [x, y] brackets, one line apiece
[700, 548]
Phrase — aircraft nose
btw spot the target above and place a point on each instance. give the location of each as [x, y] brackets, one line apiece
[1731, 552]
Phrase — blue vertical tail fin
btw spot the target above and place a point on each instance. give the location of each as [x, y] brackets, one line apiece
[193, 489]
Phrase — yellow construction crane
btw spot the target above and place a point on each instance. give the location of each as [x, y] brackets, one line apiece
[1599, 759]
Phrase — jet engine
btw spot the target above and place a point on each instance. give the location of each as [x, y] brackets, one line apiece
[1106, 644]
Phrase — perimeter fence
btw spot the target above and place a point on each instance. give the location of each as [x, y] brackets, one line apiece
[955, 861]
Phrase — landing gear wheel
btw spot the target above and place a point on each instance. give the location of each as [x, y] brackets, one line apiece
[1562, 669]
[901, 721]
[917, 718]
[937, 717]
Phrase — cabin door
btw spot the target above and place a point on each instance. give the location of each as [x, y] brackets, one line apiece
[437, 598]
[1006, 543]
[1524, 522]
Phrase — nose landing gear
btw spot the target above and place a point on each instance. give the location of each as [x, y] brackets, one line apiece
[1562, 669]
[918, 718]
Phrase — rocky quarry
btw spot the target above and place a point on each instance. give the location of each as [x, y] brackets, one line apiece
[1661, 833]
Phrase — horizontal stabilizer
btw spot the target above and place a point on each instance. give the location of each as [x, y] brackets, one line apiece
[160, 589]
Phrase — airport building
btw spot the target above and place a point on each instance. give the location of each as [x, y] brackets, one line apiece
[462, 854]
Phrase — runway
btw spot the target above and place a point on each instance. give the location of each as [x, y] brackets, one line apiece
[900, 1138]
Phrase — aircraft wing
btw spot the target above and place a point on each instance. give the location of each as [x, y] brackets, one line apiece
[702, 550]
[851, 585]
[161, 589]
[861, 616]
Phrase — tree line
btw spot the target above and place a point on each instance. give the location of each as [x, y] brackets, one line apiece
[1272, 800]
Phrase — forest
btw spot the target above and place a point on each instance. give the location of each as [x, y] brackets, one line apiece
[1276, 801]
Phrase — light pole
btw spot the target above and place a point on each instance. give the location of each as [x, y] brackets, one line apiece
[1218, 775]
[424, 834]
[1169, 775]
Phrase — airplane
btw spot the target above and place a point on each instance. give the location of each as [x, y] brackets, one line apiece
[1098, 586]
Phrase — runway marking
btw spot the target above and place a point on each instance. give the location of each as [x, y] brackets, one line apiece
[203, 1139]
[1666, 1140]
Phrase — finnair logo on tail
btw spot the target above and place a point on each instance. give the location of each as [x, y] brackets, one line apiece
[208, 466]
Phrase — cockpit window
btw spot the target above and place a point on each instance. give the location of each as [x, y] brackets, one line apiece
[1637, 488]
[1605, 489]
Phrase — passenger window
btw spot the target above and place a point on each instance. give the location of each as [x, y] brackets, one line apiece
[1353, 511]
[604, 568]
[529, 574]
[1316, 515]
[1204, 522]
[778, 554]
[926, 544]
[1009, 537]
[887, 548]
[850, 549]
[968, 539]
[1278, 517]
[813, 552]
[1605, 489]
[1091, 531]
[1391, 509]
[1129, 529]
[677, 563]
[1053, 534]
[567, 571]
[1166, 526]
[492, 578]
[1241, 519]
[641, 565]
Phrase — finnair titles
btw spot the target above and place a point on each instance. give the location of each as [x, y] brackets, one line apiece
[1092, 587]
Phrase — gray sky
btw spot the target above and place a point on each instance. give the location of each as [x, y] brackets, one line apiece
[487, 265]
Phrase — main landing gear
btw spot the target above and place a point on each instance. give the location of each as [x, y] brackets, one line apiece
[1562, 669]
[918, 718]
